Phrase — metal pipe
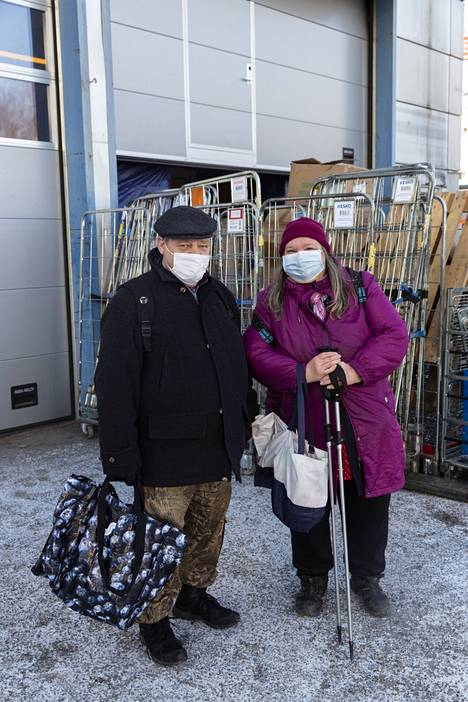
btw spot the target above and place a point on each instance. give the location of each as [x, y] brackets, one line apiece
[331, 497]
[440, 350]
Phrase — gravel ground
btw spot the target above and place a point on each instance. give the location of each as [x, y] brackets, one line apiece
[48, 653]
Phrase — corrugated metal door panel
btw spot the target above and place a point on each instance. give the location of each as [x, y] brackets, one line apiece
[349, 17]
[294, 42]
[281, 141]
[35, 320]
[149, 125]
[32, 253]
[225, 129]
[221, 24]
[163, 16]
[216, 78]
[147, 63]
[308, 97]
[29, 183]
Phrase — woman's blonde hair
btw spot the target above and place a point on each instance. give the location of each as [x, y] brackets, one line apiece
[341, 287]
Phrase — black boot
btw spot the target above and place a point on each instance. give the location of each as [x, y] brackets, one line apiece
[373, 598]
[309, 599]
[162, 644]
[195, 604]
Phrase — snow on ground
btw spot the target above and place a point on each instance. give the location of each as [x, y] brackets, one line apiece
[48, 653]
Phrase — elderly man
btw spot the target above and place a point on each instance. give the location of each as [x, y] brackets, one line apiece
[172, 385]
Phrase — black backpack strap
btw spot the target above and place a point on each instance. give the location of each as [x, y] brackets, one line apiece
[358, 285]
[145, 318]
[144, 301]
[260, 326]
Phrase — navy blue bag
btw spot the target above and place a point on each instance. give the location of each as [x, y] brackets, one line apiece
[297, 518]
[106, 559]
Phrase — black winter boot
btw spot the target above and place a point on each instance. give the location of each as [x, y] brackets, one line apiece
[195, 604]
[162, 644]
[373, 598]
[309, 599]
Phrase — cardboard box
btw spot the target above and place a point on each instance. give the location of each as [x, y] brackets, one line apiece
[305, 171]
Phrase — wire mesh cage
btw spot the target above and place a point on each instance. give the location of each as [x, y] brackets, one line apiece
[114, 248]
[399, 260]
[347, 219]
[455, 386]
[115, 245]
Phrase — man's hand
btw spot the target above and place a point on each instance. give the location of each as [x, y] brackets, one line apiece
[321, 365]
[351, 376]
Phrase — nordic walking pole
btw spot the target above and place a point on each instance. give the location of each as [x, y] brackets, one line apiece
[331, 497]
[339, 448]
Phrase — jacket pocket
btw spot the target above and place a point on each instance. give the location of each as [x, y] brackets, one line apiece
[176, 426]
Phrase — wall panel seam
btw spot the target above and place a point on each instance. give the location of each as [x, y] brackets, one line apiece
[38, 355]
[429, 48]
[313, 124]
[312, 73]
[310, 21]
[426, 107]
[191, 41]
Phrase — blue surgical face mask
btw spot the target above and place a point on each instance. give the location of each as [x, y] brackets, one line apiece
[303, 266]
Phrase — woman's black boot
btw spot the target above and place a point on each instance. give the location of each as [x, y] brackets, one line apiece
[309, 599]
[373, 598]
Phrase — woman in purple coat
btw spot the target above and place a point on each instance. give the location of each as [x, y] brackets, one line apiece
[311, 304]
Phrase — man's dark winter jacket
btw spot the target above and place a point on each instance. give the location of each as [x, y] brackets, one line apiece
[176, 414]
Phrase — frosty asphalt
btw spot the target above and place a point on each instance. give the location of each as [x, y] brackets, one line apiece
[48, 653]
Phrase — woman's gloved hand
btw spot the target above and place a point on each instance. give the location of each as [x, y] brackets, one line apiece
[352, 377]
[321, 365]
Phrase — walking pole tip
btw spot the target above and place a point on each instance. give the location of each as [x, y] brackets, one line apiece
[339, 632]
[351, 650]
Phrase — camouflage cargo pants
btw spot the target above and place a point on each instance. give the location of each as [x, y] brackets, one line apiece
[200, 512]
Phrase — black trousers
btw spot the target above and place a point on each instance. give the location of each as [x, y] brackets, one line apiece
[367, 530]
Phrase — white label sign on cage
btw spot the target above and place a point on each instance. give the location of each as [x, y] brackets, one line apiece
[344, 214]
[239, 190]
[404, 191]
[236, 221]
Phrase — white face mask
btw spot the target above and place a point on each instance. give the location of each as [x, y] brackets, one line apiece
[190, 267]
[303, 266]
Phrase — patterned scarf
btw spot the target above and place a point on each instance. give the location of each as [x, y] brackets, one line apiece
[317, 305]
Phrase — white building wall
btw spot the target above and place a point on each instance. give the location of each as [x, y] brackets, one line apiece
[34, 342]
[180, 69]
[429, 85]
[464, 135]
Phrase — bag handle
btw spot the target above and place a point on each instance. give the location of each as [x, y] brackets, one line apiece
[298, 418]
[140, 529]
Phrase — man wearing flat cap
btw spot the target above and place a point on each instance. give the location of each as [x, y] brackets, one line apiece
[172, 386]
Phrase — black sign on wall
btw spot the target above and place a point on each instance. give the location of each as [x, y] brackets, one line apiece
[348, 154]
[24, 396]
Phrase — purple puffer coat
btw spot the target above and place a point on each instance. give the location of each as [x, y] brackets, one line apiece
[371, 337]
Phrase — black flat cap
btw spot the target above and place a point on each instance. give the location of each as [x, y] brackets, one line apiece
[185, 223]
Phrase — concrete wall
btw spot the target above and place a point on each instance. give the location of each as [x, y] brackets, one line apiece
[429, 84]
[180, 81]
